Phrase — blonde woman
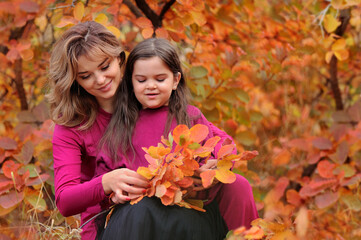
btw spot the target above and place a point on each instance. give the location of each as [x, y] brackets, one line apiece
[84, 73]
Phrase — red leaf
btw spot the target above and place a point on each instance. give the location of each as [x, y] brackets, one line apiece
[10, 166]
[322, 143]
[29, 6]
[11, 199]
[8, 143]
[326, 199]
[325, 168]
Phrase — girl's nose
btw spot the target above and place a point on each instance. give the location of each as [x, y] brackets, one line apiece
[152, 85]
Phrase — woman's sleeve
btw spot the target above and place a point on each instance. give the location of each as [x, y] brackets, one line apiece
[71, 195]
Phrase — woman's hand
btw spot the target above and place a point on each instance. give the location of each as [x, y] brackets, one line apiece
[197, 188]
[125, 184]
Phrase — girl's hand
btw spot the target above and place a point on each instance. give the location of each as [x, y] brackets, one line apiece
[124, 184]
[197, 188]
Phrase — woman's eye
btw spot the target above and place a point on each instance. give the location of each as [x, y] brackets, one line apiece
[105, 67]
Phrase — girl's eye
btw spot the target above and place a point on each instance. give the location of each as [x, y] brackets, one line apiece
[160, 79]
[141, 80]
[105, 67]
[84, 77]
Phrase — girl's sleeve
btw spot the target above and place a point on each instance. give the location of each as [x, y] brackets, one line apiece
[72, 196]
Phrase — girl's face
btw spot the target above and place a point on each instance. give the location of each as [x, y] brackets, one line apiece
[153, 82]
[100, 77]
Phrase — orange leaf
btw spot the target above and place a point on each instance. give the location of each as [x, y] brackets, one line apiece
[161, 33]
[282, 158]
[160, 190]
[225, 150]
[143, 22]
[325, 168]
[181, 131]
[225, 176]
[27, 54]
[254, 232]
[212, 142]
[207, 177]
[198, 133]
[185, 182]
[79, 11]
[293, 197]
[248, 155]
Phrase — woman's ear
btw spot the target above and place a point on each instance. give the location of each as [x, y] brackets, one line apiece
[121, 58]
[177, 78]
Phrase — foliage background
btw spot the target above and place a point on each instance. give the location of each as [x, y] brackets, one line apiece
[281, 77]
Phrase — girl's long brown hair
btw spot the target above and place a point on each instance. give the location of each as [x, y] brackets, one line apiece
[118, 136]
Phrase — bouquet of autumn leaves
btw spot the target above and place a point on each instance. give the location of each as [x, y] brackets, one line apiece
[170, 172]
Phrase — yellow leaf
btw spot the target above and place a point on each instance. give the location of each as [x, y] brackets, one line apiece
[101, 18]
[330, 23]
[79, 11]
[341, 54]
[329, 55]
[41, 22]
[114, 30]
[187, 20]
[224, 164]
[340, 44]
[225, 176]
[338, 4]
[199, 18]
[145, 172]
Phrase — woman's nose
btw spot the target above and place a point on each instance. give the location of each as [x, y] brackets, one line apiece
[99, 78]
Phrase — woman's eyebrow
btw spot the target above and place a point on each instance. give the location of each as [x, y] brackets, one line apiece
[98, 66]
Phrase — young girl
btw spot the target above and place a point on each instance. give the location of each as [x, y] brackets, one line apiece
[151, 100]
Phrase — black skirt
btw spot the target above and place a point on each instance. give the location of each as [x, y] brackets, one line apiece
[151, 220]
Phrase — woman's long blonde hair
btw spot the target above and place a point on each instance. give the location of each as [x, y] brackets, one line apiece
[70, 104]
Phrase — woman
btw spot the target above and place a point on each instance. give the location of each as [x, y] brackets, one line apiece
[85, 71]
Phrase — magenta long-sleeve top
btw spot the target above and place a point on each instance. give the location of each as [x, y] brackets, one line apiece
[148, 131]
[77, 189]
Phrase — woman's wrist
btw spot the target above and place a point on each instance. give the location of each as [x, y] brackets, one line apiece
[105, 184]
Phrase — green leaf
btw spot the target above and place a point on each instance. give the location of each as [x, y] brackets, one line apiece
[37, 202]
[352, 202]
[198, 72]
[247, 138]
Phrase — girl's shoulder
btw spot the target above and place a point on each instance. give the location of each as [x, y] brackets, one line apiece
[193, 111]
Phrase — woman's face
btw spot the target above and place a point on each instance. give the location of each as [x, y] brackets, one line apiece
[100, 77]
[153, 82]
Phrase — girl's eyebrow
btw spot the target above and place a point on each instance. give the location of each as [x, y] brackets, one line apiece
[98, 66]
